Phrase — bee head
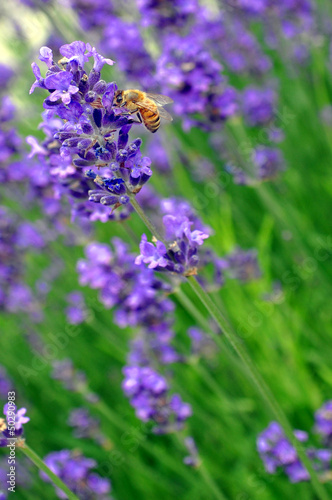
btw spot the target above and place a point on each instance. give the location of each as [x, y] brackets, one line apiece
[118, 98]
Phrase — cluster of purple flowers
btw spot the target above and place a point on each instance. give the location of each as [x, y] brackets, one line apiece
[149, 395]
[181, 253]
[74, 380]
[276, 451]
[76, 311]
[140, 300]
[138, 296]
[286, 19]
[16, 237]
[323, 423]
[87, 150]
[76, 471]
[192, 77]
[12, 426]
[86, 426]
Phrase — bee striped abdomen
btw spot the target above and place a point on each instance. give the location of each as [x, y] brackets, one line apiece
[151, 120]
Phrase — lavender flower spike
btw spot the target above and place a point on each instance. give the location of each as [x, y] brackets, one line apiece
[13, 426]
[181, 255]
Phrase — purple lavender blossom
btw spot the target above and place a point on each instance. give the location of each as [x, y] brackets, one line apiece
[133, 58]
[323, 422]
[5, 383]
[93, 14]
[195, 80]
[75, 471]
[276, 451]
[64, 371]
[83, 423]
[9, 140]
[86, 426]
[168, 14]
[149, 395]
[138, 296]
[84, 139]
[12, 426]
[268, 161]
[76, 310]
[181, 254]
[6, 74]
[192, 460]
[15, 238]
[258, 105]
[243, 265]
[202, 345]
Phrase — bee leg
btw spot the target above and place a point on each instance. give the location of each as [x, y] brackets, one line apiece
[138, 116]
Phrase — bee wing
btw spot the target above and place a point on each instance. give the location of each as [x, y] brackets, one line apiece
[159, 99]
[161, 111]
[163, 114]
[145, 105]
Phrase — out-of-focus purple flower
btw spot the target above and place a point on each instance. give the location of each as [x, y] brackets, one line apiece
[133, 58]
[6, 74]
[323, 422]
[75, 471]
[192, 460]
[171, 14]
[28, 236]
[158, 155]
[72, 379]
[258, 105]
[201, 343]
[189, 74]
[229, 37]
[15, 238]
[149, 395]
[276, 451]
[5, 383]
[76, 311]
[268, 162]
[86, 426]
[243, 265]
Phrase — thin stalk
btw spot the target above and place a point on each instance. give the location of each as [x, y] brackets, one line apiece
[206, 476]
[237, 345]
[210, 481]
[202, 321]
[43, 467]
[152, 228]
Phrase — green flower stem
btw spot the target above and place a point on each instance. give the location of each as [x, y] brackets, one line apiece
[237, 345]
[209, 480]
[152, 228]
[257, 380]
[205, 474]
[43, 467]
[201, 320]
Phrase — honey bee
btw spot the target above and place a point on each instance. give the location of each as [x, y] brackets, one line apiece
[147, 106]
